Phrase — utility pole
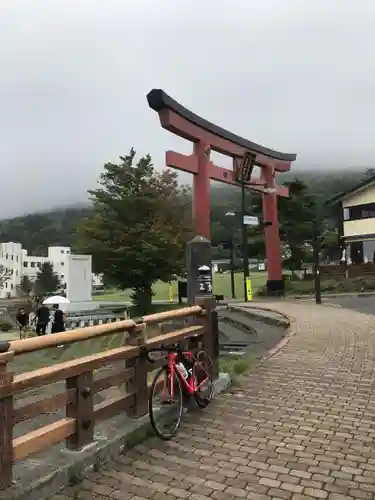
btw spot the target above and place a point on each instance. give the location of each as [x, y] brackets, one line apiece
[316, 258]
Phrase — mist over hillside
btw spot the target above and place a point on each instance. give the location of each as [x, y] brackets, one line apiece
[37, 231]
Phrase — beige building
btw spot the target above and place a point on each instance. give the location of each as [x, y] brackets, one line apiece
[358, 222]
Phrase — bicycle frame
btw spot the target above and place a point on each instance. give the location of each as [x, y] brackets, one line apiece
[189, 384]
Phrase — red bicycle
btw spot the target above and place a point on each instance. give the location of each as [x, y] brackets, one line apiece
[184, 375]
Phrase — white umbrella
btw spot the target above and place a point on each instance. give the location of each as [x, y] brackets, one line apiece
[56, 299]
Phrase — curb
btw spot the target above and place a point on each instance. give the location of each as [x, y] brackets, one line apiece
[287, 321]
[332, 295]
[252, 312]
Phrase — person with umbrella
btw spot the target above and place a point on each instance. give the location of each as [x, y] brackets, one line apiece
[59, 318]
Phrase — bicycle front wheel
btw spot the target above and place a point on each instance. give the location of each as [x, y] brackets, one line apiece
[165, 403]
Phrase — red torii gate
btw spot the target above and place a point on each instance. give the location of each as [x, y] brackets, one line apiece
[206, 137]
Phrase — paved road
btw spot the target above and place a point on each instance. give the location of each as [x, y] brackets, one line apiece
[300, 427]
[364, 304]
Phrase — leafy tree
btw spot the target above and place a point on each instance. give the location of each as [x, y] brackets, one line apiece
[139, 227]
[26, 285]
[330, 246]
[5, 275]
[296, 214]
[47, 281]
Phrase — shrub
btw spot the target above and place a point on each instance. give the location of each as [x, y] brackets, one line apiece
[5, 326]
[328, 285]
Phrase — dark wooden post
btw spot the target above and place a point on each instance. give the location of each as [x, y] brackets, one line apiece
[82, 410]
[199, 269]
[138, 383]
[6, 418]
[199, 284]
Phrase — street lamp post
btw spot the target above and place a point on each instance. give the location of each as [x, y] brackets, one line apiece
[245, 250]
[316, 244]
[316, 259]
[232, 283]
[230, 246]
[243, 173]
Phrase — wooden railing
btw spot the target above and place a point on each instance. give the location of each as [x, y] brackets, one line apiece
[77, 427]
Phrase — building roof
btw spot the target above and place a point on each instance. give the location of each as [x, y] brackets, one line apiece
[346, 194]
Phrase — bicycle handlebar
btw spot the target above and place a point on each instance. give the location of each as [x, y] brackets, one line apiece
[173, 348]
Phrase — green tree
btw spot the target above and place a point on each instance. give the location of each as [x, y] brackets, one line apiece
[330, 245]
[296, 214]
[47, 281]
[26, 285]
[139, 227]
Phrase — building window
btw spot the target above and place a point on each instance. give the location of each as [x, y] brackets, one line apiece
[11, 286]
[357, 212]
[61, 263]
[32, 264]
[16, 258]
[25, 264]
[12, 257]
[368, 251]
[62, 251]
[6, 256]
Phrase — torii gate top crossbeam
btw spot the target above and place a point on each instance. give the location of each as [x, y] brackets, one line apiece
[231, 144]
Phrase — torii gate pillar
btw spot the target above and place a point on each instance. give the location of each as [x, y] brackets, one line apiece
[206, 137]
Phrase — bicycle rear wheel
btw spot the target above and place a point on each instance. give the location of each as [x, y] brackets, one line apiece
[202, 373]
[165, 404]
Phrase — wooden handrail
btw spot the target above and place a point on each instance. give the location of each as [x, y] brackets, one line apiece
[44, 342]
[51, 374]
[78, 425]
[80, 334]
[172, 314]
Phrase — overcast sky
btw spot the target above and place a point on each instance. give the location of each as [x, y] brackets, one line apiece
[293, 75]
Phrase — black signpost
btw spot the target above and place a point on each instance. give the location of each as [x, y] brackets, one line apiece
[199, 290]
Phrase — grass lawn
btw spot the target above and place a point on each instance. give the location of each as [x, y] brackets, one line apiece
[237, 366]
[221, 286]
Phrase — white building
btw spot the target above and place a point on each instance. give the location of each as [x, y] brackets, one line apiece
[73, 270]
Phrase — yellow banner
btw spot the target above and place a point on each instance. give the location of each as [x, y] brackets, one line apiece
[249, 290]
[170, 293]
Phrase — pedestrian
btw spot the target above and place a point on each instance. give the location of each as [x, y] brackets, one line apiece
[22, 320]
[42, 319]
[58, 324]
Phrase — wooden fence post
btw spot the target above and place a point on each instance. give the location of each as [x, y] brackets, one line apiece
[82, 410]
[138, 383]
[199, 285]
[6, 419]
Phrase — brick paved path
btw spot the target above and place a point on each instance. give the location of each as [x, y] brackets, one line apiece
[300, 426]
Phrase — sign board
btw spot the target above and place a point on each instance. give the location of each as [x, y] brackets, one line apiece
[244, 168]
[249, 290]
[250, 220]
[170, 293]
[205, 280]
